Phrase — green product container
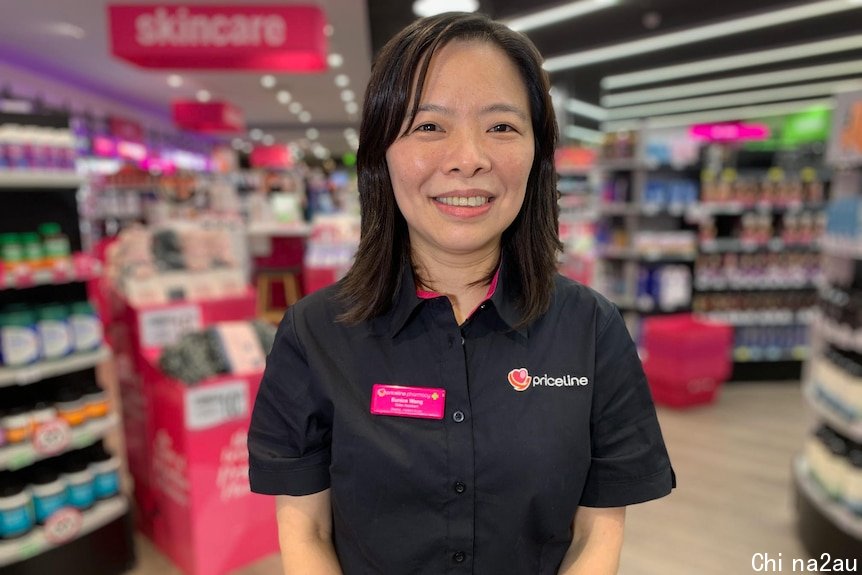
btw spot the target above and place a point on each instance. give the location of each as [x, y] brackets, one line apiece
[86, 327]
[55, 331]
[19, 339]
[54, 241]
[32, 248]
[11, 250]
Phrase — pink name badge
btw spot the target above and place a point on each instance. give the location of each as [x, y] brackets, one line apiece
[402, 401]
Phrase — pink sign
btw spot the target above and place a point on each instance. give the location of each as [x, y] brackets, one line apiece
[208, 117]
[257, 37]
[729, 132]
[402, 401]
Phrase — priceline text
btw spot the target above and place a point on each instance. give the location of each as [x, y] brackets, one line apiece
[825, 563]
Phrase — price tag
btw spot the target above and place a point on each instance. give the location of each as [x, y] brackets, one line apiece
[63, 525]
[165, 326]
[30, 549]
[213, 405]
[52, 437]
[775, 174]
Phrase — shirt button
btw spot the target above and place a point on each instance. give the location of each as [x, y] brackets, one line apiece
[460, 487]
[459, 556]
[462, 340]
[458, 416]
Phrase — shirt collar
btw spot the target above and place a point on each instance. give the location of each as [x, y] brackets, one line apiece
[407, 300]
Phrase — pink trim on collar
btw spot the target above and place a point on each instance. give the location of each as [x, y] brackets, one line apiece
[422, 294]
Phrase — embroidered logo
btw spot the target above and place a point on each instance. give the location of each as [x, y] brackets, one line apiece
[520, 379]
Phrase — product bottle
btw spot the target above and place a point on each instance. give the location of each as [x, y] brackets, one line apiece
[54, 331]
[86, 327]
[19, 338]
[106, 472]
[11, 251]
[79, 482]
[48, 490]
[96, 401]
[16, 511]
[55, 243]
[70, 406]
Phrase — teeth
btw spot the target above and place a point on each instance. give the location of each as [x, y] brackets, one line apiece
[472, 201]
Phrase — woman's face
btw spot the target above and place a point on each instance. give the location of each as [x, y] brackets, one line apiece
[460, 174]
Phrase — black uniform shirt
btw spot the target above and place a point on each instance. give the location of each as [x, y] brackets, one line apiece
[490, 488]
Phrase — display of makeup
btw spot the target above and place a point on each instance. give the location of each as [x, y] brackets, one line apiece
[760, 270]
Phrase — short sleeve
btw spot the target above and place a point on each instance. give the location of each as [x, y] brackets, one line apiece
[290, 433]
[629, 462]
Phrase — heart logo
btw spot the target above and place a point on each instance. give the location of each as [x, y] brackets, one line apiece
[520, 379]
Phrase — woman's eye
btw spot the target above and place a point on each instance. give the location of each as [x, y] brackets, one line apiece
[502, 128]
[426, 128]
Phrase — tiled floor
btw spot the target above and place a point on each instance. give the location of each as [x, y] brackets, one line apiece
[733, 465]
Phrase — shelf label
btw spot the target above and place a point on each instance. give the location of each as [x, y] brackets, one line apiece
[52, 437]
[212, 406]
[163, 327]
[21, 459]
[30, 549]
[63, 525]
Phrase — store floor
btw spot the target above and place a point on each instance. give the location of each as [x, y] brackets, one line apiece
[734, 499]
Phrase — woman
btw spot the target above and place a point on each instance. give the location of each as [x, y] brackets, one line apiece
[453, 405]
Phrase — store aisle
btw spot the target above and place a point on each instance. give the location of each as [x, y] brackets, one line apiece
[734, 498]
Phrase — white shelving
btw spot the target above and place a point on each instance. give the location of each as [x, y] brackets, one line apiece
[17, 456]
[35, 179]
[852, 429]
[83, 268]
[838, 334]
[38, 371]
[840, 515]
[43, 539]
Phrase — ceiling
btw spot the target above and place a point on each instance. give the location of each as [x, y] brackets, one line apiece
[361, 27]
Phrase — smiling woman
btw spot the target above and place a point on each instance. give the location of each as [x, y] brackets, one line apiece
[373, 426]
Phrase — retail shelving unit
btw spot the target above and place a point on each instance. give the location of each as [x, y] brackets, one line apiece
[95, 538]
[829, 472]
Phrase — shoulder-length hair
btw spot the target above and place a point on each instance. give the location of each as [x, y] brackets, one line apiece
[529, 245]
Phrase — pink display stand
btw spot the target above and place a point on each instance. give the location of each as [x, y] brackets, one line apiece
[186, 444]
[686, 360]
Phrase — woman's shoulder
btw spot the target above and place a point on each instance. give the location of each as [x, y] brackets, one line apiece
[569, 292]
[323, 305]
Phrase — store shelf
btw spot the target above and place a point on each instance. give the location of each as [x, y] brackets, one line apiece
[839, 515]
[705, 209]
[25, 179]
[734, 245]
[837, 334]
[653, 209]
[850, 428]
[614, 253]
[18, 456]
[618, 209]
[842, 247]
[769, 354]
[39, 540]
[621, 164]
[725, 285]
[32, 373]
[760, 317]
[84, 268]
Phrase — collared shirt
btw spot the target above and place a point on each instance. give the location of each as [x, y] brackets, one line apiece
[537, 421]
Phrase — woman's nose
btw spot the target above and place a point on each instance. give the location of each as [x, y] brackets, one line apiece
[467, 154]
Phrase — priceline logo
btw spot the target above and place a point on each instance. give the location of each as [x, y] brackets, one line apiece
[521, 380]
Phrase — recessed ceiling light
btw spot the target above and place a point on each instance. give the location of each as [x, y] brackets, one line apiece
[204, 96]
[66, 29]
[557, 14]
[255, 134]
[342, 80]
[267, 140]
[312, 133]
[696, 34]
[328, 30]
[175, 80]
[433, 7]
[347, 96]
[295, 107]
[335, 60]
[268, 81]
[304, 117]
[283, 96]
[351, 107]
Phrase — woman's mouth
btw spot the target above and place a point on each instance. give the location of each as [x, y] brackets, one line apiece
[461, 201]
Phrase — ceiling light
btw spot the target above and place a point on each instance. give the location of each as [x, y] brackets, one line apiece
[203, 96]
[335, 60]
[320, 152]
[732, 62]
[268, 81]
[584, 134]
[237, 143]
[726, 100]
[349, 133]
[342, 81]
[67, 29]
[736, 83]
[725, 115]
[697, 34]
[304, 117]
[295, 107]
[433, 7]
[586, 109]
[328, 30]
[347, 96]
[283, 96]
[312, 133]
[351, 107]
[556, 14]
[255, 134]
[267, 140]
[175, 80]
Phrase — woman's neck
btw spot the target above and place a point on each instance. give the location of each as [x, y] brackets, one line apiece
[456, 277]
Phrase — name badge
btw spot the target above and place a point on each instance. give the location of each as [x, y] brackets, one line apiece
[403, 401]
